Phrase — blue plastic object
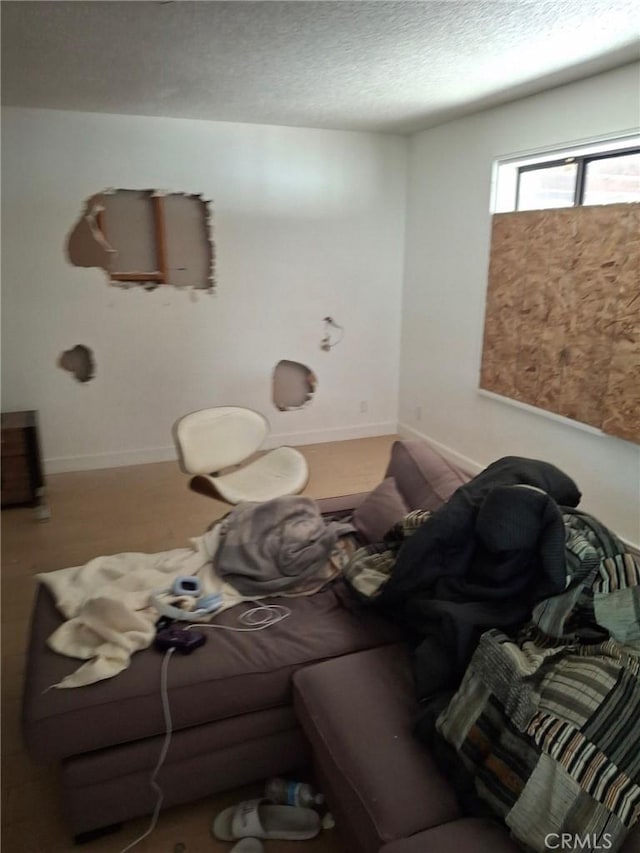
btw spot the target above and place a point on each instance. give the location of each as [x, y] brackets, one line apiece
[187, 585]
[209, 603]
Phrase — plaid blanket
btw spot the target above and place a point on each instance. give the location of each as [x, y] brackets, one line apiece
[370, 567]
[549, 724]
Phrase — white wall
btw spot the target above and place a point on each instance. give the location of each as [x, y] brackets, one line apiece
[446, 263]
[308, 223]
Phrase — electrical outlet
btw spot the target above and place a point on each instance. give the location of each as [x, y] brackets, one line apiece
[364, 406]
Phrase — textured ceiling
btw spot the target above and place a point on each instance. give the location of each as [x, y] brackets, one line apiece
[386, 66]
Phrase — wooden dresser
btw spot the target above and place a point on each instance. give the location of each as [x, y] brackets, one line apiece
[22, 476]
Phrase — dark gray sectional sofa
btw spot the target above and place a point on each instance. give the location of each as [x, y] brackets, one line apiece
[331, 685]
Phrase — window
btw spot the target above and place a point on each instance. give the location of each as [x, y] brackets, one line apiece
[562, 316]
[546, 186]
[605, 173]
[608, 180]
[600, 179]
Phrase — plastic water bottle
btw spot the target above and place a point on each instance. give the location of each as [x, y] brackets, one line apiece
[290, 793]
[42, 511]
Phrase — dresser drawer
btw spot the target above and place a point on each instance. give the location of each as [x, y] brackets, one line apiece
[13, 443]
[22, 477]
[16, 485]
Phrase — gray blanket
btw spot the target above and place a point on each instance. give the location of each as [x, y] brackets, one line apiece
[277, 547]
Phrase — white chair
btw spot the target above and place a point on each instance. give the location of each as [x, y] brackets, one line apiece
[212, 440]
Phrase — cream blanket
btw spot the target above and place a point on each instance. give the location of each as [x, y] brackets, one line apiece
[106, 604]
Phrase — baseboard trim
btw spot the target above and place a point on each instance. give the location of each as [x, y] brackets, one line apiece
[321, 436]
[471, 466]
[146, 455]
[117, 459]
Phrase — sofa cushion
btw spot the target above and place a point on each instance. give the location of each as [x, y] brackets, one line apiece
[111, 785]
[473, 835]
[468, 835]
[379, 511]
[232, 674]
[423, 477]
[357, 712]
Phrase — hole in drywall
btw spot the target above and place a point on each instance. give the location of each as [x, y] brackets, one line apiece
[79, 361]
[293, 385]
[86, 246]
[329, 339]
[145, 237]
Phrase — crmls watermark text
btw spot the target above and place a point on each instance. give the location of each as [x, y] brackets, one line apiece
[568, 841]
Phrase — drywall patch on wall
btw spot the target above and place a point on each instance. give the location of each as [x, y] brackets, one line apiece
[294, 385]
[78, 360]
[146, 237]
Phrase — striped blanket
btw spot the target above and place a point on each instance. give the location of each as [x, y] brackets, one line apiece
[370, 567]
[548, 725]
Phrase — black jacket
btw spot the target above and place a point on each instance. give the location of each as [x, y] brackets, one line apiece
[483, 560]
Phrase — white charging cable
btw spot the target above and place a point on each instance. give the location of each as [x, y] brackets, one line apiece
[163, 752]
[254, 619]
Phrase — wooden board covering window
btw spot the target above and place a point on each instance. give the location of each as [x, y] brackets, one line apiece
[562, 322]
